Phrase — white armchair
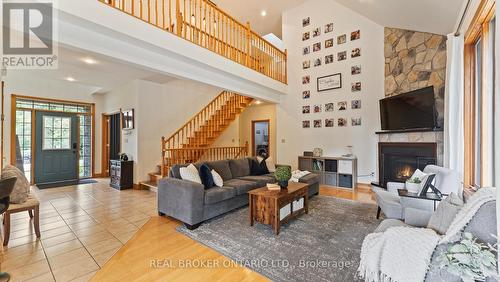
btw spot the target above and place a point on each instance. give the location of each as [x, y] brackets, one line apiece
[416, 210]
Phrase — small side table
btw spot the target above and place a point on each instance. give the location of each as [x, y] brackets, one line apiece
[429, 196]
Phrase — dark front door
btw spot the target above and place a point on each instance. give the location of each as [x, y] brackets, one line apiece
[56, 153]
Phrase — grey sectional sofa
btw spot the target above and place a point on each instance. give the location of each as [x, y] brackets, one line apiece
[190, 203]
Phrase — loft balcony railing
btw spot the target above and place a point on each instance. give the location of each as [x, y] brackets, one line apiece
[206, 25]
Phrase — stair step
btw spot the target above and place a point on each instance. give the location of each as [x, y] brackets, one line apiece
[154, 176]
[148, 185]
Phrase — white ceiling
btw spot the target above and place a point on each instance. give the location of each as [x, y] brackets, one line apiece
[249, 11]
[436, 16]
[105, 75]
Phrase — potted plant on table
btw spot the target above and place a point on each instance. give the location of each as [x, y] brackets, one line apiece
[413, 185]
[282, 175]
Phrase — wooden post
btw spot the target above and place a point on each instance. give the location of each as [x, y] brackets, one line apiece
[162, 172]
[179, 17]
[286, 69]
[246, 148]
[248, 45]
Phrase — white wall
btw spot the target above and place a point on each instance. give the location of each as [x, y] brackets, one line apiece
[292, 138]
[21, 83]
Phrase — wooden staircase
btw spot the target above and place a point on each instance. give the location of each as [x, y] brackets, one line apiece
[193, 141]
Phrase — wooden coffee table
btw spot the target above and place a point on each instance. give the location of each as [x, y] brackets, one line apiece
[278, 207]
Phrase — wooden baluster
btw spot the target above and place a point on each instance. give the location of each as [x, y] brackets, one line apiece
[156, 12]
[163, 15]
[181, 25]
[162, 169]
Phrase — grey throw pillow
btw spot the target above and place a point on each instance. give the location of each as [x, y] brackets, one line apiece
[21, 189]
[445, 213]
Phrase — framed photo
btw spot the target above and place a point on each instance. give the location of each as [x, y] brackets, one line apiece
[317, 47]
[317, 31]
[306, 79]
[306, 22]
[317, 62]
[328, 43]
[317, 123]
[306, 64]
[128, 119]
[328, 27]
[329, 82]
[329, 122]
[356, 86]
[356, 69]
[342, 106]
[355, 35]
[355, 121]
[306, 124]
[317, 108]
[342, 56]
[356, 104]
[329, 107]
[341, 122]
[306, 36]
[306, 94]
[356, 52]
[306, 109]
[341, 39]
[306, 50]
[328, 59]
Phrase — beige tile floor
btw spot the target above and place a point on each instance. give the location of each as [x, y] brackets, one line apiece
[81, 227]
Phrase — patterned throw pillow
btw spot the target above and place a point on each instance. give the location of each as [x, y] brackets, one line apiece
[445, 213]
[190, 173]
[21, 189]
[217, 179]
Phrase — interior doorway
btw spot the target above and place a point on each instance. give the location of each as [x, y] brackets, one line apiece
[111, 138]
[260, 138]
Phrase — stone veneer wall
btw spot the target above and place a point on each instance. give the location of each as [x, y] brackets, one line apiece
[414, 60]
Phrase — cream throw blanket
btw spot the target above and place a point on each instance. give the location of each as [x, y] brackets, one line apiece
[404, 253]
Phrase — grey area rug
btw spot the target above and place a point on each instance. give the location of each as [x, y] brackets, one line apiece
[323, 245]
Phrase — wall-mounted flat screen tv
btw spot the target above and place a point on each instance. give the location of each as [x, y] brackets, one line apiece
[411, 110]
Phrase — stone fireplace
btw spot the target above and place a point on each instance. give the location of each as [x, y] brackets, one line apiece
[398, 161]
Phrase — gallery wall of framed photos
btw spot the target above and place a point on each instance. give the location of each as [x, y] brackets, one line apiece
[325, 46]
[336, 79]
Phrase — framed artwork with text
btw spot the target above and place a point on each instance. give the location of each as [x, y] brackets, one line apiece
[329, 82]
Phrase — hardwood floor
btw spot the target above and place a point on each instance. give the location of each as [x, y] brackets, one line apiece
[157, 250]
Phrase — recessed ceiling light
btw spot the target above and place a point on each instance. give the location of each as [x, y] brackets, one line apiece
[69, 78]
[258, 102]
[263, 13]
[89, 61]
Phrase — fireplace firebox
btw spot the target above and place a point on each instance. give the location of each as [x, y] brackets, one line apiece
[398, 161]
